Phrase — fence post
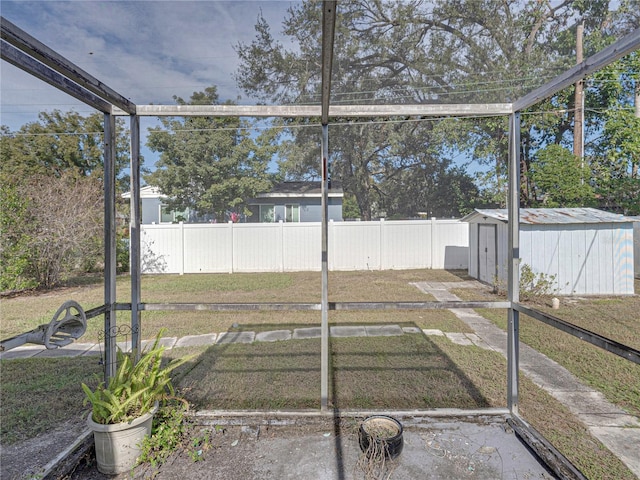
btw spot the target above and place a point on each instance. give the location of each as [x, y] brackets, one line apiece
[281, 232]
[381, 252]
[181, 228]
[434, 227]
[230, 246]
[332, 241]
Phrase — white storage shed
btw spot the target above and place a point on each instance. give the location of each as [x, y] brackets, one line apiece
[590, 252]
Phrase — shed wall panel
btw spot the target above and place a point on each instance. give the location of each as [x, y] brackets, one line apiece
[502, 237]
[623, 258]
[585, 258]
[473, 250]
[636, 246]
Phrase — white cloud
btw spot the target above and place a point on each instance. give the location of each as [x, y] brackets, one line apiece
[147, 51]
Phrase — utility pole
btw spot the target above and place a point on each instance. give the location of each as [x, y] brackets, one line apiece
[578, 117]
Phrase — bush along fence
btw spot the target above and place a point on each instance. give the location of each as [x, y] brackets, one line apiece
[288, 247]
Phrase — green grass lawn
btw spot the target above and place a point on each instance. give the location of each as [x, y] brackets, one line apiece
[411, 371]
[616, 318]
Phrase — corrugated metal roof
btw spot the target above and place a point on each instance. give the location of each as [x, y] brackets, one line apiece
[552, 216]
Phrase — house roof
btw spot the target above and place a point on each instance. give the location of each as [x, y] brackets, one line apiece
[279, 190]
[148, 191]
[301, 189]
[550, 216]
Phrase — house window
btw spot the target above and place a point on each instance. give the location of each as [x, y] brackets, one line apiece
[292, 213]
[267, 213]
[172, 216]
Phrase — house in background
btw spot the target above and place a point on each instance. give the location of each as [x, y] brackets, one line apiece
[155, 210]
[287, 201]
[295, 202]
[586, 251]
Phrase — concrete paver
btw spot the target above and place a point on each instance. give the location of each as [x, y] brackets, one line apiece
[433, 331]
[196, 340]
[72, 350]
[21, 352]
[236, 337]
[411, 330]
[303, 333]
[273, 336]
[459, 338]
[358, 331]
[383, 330]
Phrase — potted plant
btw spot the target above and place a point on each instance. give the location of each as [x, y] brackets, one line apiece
[122, 411]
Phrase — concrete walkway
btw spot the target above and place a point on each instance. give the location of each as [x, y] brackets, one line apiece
[617, 430]
[81, 349]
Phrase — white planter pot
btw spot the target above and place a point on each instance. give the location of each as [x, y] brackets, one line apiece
[118, 444]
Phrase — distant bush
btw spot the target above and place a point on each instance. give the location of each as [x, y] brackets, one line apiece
[51, 228]
[532, 285]
[15, 252]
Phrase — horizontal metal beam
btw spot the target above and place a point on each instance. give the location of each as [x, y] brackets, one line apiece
[95, 312]
[593, 338]
[414, 305]
[307, 111]
[16, 57]
[229, 307]
[600, 60]
[551, 457]
[21, 40]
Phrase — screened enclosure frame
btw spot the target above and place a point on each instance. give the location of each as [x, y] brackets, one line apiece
[32, 56]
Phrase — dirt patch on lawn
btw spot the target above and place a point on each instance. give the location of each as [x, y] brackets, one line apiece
[27, 459]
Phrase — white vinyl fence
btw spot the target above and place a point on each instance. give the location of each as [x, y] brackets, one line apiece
[290, 247]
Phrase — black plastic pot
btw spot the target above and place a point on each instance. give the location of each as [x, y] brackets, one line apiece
[384, 432]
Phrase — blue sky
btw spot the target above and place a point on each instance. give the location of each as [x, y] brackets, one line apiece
[147, 51]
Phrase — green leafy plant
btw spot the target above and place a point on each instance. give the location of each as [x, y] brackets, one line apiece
[535, 285]
[532, 285]
[199, 445]
[167, 434]
[135, 388]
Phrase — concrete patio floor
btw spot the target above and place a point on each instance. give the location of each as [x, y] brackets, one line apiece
[473, 445]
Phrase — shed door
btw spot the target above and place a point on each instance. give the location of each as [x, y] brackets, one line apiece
[487, 253]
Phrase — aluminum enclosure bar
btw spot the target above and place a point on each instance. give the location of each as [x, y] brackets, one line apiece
[306, 111]
[611, 346]
[270, 306]
[328, 30]
[134, 237]
[328, 33]
[513, 258]
[24, 62]
[601, 59]
[38, 50]
[109, 246]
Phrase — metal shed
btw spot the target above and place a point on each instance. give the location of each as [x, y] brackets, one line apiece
[588, 251]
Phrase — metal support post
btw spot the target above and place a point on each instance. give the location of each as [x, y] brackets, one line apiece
[324, 306]
[513, 353]
[109, 246]
[134, 238]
